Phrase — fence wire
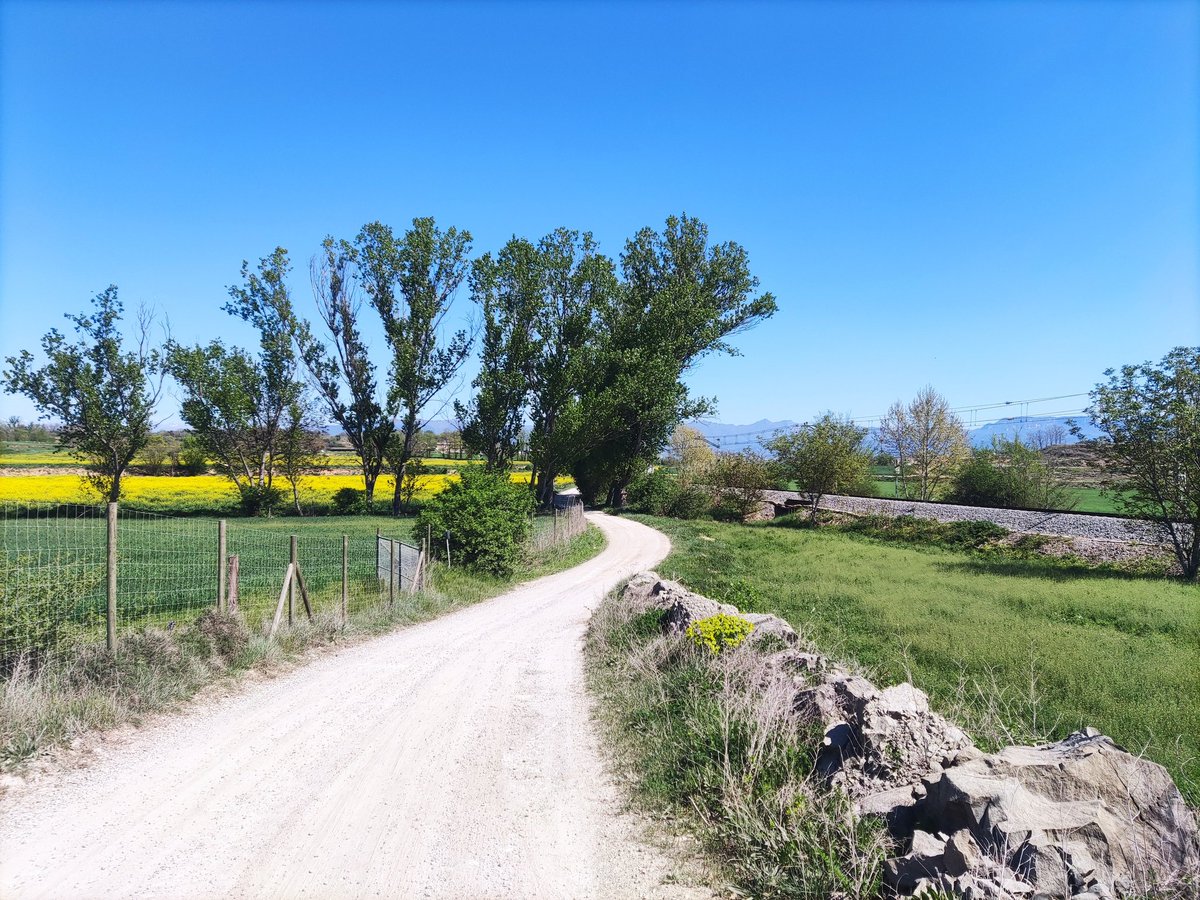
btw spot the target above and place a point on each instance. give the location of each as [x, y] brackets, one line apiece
[54, 567]
[560, 527]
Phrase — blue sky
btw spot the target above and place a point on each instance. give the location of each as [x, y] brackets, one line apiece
[999, 199]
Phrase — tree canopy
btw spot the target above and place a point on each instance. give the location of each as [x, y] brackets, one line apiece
[1150, 417]
[102, 394]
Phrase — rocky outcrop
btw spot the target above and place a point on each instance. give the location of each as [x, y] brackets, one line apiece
[681, 607]
[1075, 817]
[1081, 818]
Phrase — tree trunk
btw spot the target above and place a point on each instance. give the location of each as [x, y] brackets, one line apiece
[397, 495]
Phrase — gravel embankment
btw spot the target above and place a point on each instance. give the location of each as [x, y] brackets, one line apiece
[1074, 525]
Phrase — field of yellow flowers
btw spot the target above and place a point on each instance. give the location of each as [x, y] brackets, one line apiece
[198, 493]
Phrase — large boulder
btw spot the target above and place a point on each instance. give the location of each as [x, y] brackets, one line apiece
[878, 741]
[1078, 817]
[681, 607]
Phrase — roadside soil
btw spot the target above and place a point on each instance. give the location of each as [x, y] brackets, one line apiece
[452, 759]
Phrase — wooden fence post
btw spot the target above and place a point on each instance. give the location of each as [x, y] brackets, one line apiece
[346, 573]
[231, 601]
[291, 600]
[222, 544]
[111, 633]
[283, 594]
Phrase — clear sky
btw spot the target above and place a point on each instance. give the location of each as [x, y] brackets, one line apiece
[999, 199]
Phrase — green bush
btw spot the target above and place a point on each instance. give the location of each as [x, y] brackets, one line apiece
[691, 503]
[486, 516]
[37, 613]
[654, 493]
[350, 502]
[1010, 475]
[259, 499]
[719, 632]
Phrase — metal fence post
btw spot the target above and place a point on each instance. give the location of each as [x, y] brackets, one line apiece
[222, 539]
[111, 635]
[292, 584]
[346, 573]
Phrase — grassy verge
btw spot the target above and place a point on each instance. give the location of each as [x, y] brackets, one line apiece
[706, 743]
[156, 668]
[1014, 646]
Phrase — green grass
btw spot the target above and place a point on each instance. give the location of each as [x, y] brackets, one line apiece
[1082, 499]
[1029, 645]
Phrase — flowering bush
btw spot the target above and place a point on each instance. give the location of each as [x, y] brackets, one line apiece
[719, 632]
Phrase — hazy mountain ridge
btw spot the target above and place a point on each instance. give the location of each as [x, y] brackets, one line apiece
[739, 437]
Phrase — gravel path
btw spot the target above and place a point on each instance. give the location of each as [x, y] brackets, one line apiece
[452, 759]
[1104, 528]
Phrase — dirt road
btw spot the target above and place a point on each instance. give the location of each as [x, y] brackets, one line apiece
[453, 759]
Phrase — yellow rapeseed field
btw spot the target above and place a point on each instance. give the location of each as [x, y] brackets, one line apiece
[196, 491]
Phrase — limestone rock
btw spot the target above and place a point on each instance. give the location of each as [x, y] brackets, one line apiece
[682, 607]
[765, 624]
[1078, 816]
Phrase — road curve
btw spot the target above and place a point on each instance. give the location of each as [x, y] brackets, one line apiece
[452, 759]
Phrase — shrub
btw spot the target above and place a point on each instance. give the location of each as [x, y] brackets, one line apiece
[36, 613]
[259, 499]
[739, 480]
[981, 482]
[719, 632]
[691, 503]
[486, 516]
[350, 502]
[915, 530]
[1009, 475]
[228, 635]
[654, 493]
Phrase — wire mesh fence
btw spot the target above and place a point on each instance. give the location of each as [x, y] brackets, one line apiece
[560, 527]
[61, 574]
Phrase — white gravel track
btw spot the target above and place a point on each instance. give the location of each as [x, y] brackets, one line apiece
[452, 759]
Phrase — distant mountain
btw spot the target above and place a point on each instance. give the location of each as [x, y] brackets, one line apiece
[1027, 426]
[752, 436]
[741, 437]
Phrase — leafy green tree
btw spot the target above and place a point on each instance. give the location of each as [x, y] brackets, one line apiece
[1150, 417]
[926, 440]
[236, 403]
[102, 394]
[738, 481]
[301, 448]
[691, 452]
[486, 517]
[579, 282]
[680, 299]
[509, 291]
[824, 457]
[344, 375]
[411, 283]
